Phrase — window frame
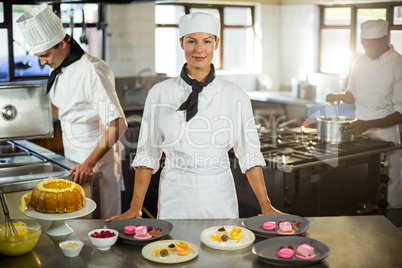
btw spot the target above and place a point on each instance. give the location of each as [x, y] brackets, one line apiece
[220, 8]
[389, 6]
[8, 25]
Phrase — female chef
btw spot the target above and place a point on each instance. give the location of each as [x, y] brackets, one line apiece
[195, 119]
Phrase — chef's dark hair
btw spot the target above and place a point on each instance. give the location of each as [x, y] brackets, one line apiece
[67, 39]
[216, 38]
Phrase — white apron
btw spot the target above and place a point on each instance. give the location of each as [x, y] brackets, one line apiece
[207, 195]
[79, 140]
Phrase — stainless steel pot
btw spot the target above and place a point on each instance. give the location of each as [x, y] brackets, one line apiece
[330, 129]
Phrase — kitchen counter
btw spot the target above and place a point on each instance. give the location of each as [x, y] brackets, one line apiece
[354, 241]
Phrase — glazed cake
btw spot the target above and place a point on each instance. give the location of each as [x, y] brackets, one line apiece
[57, 196]
[285, 227]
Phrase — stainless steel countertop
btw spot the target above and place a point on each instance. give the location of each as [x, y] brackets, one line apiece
[354, 241]
[29, 181]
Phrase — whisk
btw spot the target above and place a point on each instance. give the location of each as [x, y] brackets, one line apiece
[10, 229]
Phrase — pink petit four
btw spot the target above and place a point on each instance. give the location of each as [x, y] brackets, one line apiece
[269, 225]
[141, 230]
[129, 229]
[285, 227]
[286, 253]
[305, 251]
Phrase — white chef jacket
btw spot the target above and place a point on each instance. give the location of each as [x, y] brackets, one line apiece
[376, 86]
[85, 95]
[196, 181]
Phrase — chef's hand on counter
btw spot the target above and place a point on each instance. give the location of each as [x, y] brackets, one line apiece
[270, 210]
[129, 214]
[82, 173]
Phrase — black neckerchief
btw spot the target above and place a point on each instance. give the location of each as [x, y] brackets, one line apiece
[190, 105]
[75, 54]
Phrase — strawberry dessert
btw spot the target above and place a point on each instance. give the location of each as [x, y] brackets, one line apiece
[305, 251]
[141, 232]
[130, 229]
[269, 225]
[285, 227]
[286, 253]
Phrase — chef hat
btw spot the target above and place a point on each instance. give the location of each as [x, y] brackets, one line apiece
[373, 29]
[198, 23]
[41, 28]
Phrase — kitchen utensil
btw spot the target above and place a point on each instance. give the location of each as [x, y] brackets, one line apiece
[335, 105]
[83, 37]
[331, 129]
[9, 225]
[29, 233]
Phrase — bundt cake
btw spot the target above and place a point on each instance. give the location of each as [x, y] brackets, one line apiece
[57, 196]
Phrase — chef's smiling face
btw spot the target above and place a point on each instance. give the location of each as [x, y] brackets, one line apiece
[53, 56]
[199, 49]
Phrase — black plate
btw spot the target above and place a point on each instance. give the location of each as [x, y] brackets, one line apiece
[255, 224]
[120, 224]
[268, 249]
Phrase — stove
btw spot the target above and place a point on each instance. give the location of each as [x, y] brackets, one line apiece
[308, 177]
[288, 151]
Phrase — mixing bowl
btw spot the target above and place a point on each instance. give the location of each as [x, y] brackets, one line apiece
[28, 235]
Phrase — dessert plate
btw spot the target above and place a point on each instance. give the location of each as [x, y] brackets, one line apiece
[148, 252]
[247, 239]
[267, 250]
[255, 224]
[120, 224]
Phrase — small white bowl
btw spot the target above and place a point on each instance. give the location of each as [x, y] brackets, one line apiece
[103, 243]
[71, 248]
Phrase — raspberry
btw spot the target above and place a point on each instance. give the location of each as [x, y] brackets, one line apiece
[281, 247]
[150, 228]
[291, 247]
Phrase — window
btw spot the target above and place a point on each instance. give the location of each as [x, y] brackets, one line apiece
[340, 32]
[18, 62]
[236, 36]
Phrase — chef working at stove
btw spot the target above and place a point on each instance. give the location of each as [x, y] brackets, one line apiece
[375, 86]
[195, 119]
[81, 89]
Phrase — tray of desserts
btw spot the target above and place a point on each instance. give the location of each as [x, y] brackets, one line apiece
[141, 231]
[170, 251]
[227, 237]
[277, 225]
[291, 251]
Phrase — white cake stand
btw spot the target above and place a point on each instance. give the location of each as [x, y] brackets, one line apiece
[59, 227]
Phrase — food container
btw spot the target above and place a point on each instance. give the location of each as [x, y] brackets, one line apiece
[103, 243]
[331, 129]
[28, 235]
[71, 248]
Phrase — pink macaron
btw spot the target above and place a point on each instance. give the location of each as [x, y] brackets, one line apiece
[130, 229]
[286, 253]
[269, 225]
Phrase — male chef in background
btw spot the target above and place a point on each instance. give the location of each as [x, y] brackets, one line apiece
[81, 88]
[375, 86]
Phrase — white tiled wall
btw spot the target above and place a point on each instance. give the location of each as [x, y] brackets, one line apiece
[132, 40]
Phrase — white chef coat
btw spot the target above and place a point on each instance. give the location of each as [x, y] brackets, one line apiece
[85, 95]
[376, 86]
[196, 181]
